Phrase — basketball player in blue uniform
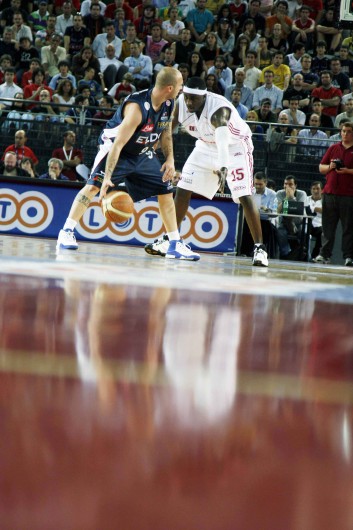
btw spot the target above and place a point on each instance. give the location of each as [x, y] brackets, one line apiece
[126, 154]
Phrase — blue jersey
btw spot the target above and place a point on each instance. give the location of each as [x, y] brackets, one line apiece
[150, 129]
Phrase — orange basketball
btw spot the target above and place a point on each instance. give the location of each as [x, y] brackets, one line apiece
[118, 206]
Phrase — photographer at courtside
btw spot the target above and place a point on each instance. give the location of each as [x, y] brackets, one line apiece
[337, 202]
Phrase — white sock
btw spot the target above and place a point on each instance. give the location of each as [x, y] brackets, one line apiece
[174, 236]
[70, 224]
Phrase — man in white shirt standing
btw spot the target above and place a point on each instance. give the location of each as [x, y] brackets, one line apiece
[8, 89]
[101, 41]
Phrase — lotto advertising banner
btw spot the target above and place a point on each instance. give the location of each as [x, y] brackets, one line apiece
[42, 210]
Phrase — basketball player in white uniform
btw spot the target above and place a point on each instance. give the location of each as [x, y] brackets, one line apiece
[223, 151]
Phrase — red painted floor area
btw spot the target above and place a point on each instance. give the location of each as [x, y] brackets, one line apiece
[147, 398]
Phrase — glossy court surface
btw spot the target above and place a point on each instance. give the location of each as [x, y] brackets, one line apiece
[140, 393]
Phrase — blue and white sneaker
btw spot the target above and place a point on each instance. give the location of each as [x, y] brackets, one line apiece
[66, 240]
[177, 250]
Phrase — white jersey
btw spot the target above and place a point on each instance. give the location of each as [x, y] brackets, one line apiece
[202, 128]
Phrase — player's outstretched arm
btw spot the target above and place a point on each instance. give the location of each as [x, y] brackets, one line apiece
[220, 120]
[132, 119]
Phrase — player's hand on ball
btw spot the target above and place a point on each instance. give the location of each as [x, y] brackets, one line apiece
[106, 184]
[222, 176]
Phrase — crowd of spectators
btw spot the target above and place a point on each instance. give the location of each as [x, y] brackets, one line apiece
[289, 53]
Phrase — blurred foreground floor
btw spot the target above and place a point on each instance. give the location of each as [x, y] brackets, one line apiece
[140, 393]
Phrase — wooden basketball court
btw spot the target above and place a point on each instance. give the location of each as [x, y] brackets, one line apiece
[143, 393]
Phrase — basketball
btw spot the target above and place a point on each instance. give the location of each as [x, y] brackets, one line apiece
[117, 206]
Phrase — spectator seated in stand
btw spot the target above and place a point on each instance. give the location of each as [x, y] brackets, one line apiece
[28, 166]
[167, 61]
[113, 70]
[43, 36]
[222, 71]
[329, 95]
[31, 92]
[20, 29]
[79, 115]
[20, 148]
[139, 65]
[54, 172]
[256, 128]
[209, 50]
[94, 21]
[82, 60]
[107, 111]
[270, 92]
[18, 116]
[108, 37]
[296, 90]
[235, 100]
[312, 142]
[5, 62]
[125, 86]
[266, 202]
[9, 167]
[70, 155]
[328, 30]
[63, 74]
[155, 44]
[92, 101]
[295, 116]
[27, 76]
[8, 45]
[120, 23]
[197, 67]
[143, 24]
[52, 55]
[43, 111]
[213, 85]
[76, 37]
[282, 139]
[66, 19]
[64, 96]
[290, 226]
[88, 81]
[8, 89]
[26, 53]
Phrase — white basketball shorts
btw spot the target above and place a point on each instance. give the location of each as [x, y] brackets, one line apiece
[197, 174]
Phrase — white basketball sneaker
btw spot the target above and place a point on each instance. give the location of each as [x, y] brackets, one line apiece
[159, 247]
[260, 256]
[66, 240]
[177, 250]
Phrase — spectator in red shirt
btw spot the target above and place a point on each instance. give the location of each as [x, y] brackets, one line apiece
[125, 86]
[117, 4]
[143, 24]
[31, 92]
[337, 202]
[27, 76]
[329, 96]
[70, 155]
[20, 149]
